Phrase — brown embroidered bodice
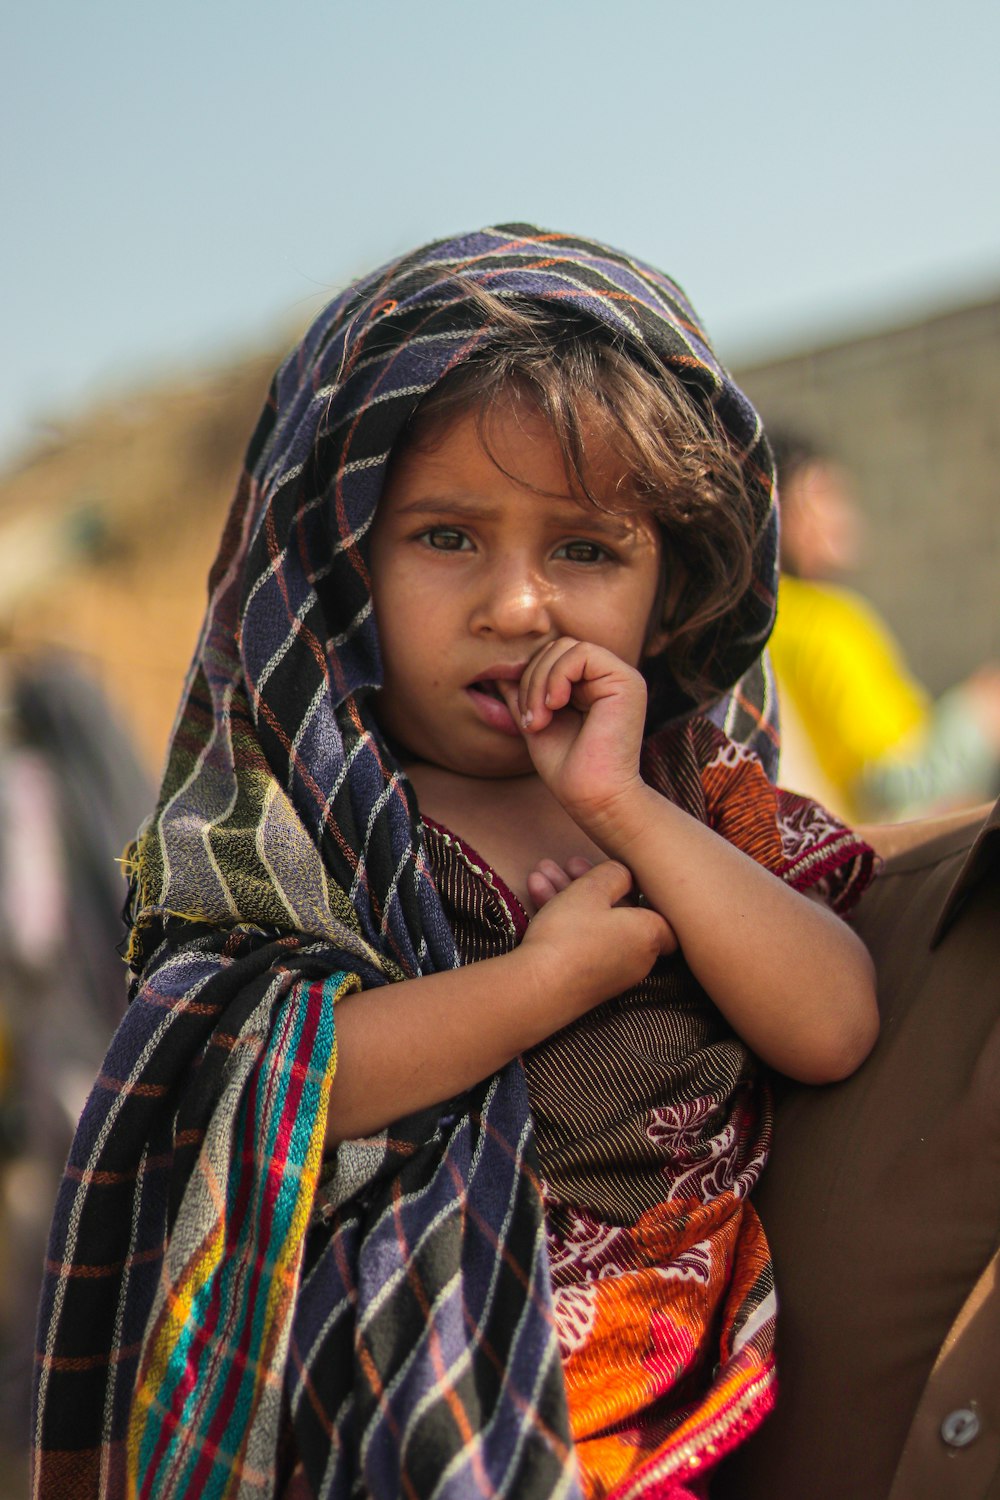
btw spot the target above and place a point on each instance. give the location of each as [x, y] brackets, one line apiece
[634, 1095]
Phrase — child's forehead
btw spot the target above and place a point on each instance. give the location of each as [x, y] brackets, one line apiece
[469, 459]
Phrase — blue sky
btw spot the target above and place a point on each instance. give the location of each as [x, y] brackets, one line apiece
[181, 181]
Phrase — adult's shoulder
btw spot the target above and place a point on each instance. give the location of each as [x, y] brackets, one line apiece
[929, 868]
[880, 1198]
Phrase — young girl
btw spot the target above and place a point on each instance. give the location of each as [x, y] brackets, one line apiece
[386, 1189]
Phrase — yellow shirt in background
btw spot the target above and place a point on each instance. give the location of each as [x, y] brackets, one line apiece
[842, 675]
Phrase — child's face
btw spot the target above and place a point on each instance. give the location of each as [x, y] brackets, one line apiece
[473, 572]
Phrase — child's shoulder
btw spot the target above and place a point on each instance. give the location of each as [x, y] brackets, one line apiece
[695, 744]
[697, 765]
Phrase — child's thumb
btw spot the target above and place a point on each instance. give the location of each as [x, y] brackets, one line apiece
[611, 878]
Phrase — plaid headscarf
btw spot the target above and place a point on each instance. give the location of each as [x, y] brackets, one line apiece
[206, 1329]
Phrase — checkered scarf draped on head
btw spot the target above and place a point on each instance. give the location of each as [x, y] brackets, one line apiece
[279, 803]
[407, 1336]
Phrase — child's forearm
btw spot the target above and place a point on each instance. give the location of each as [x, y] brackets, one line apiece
[790, 977]
[407, 1046]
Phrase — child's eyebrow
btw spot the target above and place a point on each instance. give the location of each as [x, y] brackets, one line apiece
[604, 523]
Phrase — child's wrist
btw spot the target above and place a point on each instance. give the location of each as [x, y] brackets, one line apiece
[616, 822]
[554, 986]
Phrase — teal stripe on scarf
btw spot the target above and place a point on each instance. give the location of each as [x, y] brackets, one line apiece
[279, 1122]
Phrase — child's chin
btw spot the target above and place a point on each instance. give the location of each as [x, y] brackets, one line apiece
[504, 757]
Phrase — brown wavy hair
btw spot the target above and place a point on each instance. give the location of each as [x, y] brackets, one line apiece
[677, 461]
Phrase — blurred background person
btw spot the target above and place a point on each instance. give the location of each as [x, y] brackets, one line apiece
[858, 729]
[72, 792]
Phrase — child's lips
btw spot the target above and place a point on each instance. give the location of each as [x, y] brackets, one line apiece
[489, 704]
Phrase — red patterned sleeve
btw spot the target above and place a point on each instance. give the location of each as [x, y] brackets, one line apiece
[793, 836]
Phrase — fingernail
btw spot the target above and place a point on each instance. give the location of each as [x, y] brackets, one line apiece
[548, 700]
[526, 718]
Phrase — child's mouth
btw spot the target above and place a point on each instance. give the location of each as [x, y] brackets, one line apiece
[490, 706]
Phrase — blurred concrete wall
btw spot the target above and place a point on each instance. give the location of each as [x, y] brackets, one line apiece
[914, 412]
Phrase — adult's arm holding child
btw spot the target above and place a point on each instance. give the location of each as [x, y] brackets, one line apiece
[892, 839]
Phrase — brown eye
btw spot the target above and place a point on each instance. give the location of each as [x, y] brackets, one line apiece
[445, 539]
[580, 551]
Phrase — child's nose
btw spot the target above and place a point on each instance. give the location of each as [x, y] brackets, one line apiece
[515, 601]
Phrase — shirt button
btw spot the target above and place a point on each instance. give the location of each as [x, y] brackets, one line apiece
[960, 1428]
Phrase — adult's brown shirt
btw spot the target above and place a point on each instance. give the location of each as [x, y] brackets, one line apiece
[882, 1205]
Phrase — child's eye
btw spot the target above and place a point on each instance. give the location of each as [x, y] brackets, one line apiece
[579, 551]
[445, 539]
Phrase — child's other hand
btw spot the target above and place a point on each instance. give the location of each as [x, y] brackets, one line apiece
[600, 942]
[548, 878]
[582, 712]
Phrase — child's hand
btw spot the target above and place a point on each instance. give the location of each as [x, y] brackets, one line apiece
[405, 1046]
[547, 879]
[582, 712]
[598, 946]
